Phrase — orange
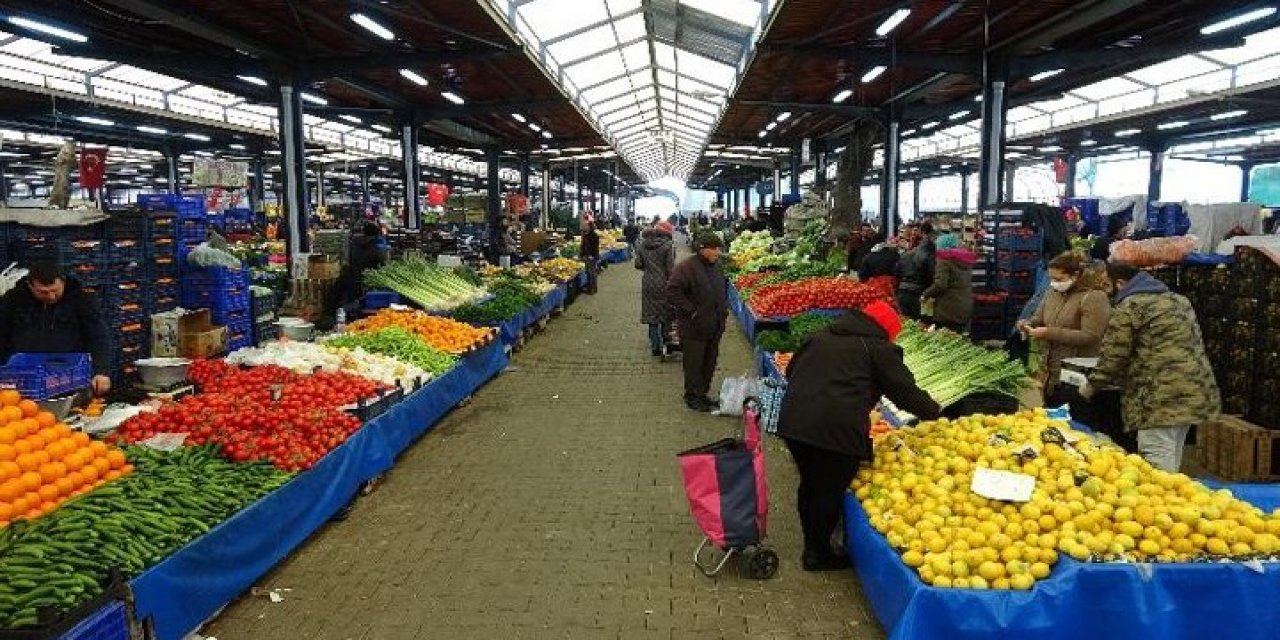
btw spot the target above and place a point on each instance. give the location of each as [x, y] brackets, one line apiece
[45, 419]
[81, 439]
[63, 430]
[68, 445]
[49, 435]
[52, 471]
[9, 470]
[29, 408]
[27, 462]
[19, 506]
[98, 447]
[31, 481]
[64, 486]
[48, 492]
[42, 456]
[7, 452]
[126, 469]
[116, 458]
[22, 446]
[90, 474]
[74, 461]
[112, 475]
[11, 490]
[8, 435]
[9, 397]
[10, 414]
[76, 478]
[102, 465]
[6, 511]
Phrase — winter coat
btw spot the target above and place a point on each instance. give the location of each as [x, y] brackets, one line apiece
[72, 325]
[698, 295]
[656, 256]
[1153, 352]
[915, 268]
[880, 263]
[836, 379]
[859, 248]
[365, 255]
[590, 245]
[952, 288]
[1076, 321]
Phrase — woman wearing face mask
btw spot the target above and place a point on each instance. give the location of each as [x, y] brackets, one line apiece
[1070, 322]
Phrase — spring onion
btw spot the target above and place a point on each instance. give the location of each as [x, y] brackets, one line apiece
[434, 288]
[949, 367]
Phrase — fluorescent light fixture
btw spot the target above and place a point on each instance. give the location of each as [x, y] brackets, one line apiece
[944, 167]
[892, 22]
[59, 32]
[11, 154]
[770, 126]
[156, 130]
[1176, 124]
[373, 26]
[102, 122]
[380, 127]
[452, 97]
[842, 96]
[196, 136]
[1088, 143]
[1053, 148]
[313, 98]
[959, 115]
[350, 118]
[1223, 25]
[1125, 133]
[534, 126]
[519, 118]
[930, 125]
[1045, 75]
[762, 134]
[908, 132]
[253, 80]
[1227, 115]
[546, 134]
[782, 117]
[873, 73]
[412, 76]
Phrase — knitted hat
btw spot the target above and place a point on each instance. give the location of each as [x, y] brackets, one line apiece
[664, 227]
[886, 316]
[708, 239]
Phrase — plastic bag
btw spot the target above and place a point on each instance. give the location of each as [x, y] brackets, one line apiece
[205, 255]
[1154, 252]
[735, 391]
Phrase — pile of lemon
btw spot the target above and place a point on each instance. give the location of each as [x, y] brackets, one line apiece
[1091, 501]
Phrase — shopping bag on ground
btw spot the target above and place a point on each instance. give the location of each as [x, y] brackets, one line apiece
[735, 391]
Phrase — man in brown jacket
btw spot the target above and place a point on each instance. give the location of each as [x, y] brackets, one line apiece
[699, 299]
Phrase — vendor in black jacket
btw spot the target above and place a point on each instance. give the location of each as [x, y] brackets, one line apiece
[833, 383]
[47, 312]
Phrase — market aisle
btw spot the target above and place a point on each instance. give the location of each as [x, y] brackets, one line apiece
[551, 507]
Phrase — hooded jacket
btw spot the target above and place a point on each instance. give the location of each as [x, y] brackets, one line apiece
[698, 296]
[836, 379]
[952, 288]
[1153, 352]
[74, 324]
[915, 268]
[656, 257]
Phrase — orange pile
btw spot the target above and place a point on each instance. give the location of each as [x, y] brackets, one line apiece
[43, 463]
[449, 336]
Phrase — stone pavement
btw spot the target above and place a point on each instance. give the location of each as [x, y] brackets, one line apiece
[551, 507]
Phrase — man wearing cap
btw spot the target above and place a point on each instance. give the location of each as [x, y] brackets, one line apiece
[48, 313]
[699, 299]
[833, 383]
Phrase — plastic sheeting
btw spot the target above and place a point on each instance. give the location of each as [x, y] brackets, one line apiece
[1079, 600]
[1210, 223]
[184, 590]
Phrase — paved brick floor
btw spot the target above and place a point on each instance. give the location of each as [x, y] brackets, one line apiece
[551, 507]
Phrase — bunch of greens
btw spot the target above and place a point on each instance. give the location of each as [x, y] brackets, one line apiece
[434, 288]
[800, 329]
[510, 297]
[950, 367]
[400, 344]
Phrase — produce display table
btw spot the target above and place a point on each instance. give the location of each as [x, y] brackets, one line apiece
[1078, 600]
[512, 329]
[190, 586]
[615, 256]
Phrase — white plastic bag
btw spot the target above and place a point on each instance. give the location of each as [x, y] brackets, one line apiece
[735, 391]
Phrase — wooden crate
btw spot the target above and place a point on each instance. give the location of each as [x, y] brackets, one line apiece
[1238, 451]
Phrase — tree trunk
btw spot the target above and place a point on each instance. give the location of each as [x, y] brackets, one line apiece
[854, 163]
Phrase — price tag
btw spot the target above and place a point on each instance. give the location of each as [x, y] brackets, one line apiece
[1002, 485]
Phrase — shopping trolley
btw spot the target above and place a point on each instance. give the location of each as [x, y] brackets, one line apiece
[729, 499]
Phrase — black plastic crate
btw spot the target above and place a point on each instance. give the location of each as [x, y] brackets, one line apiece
[238, 318]
[26, 251]
[125, 251]
[162, 226]
[263, 302]
[265, 332]
[130, 291]
[988, 329]
[984, 403]
[134, 226]
[163, 264]
[197, 230]
[131, 272]
[158, 247]
[95, 274]
[1016, 281]
[1018, 260]
[162, 304]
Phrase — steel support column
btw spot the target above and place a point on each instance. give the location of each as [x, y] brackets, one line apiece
[777, 181]
[546, 196]
[171, 169]
[820, 169]
[294, 168]
[364, 187]
[964, 192]
[257, 195]
[915, 198]
[4, 184]
[524, 174]
[577, 192]
[320, 185]
[1155, 172]
[493, 188]
[1010, 180]
[889, 180]
[795, 172]
[1246, 178]
[995, 109]
[411, 173]
[1069, 189]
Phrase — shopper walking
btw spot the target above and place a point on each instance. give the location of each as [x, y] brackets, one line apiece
[833, 383]
[859, 246]
[656, 257]
[1070, 323]
[951, 293]
[881, 261]
[915, 273]
[590, 254]
[699, 299]
[1153, 352]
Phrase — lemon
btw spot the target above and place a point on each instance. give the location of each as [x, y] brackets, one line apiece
[1149, 547]
[1217, 546]
[942, 582]
[1040, 570]
[1022, 582]
[913, 558]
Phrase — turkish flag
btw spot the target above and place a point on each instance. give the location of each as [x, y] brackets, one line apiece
[1060, 169]
[93, 168]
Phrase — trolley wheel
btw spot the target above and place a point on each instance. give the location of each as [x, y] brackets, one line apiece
[762, 564]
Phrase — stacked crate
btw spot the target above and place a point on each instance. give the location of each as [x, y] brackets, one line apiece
[126, 294]
[263, 304]
[191, 219]
[225, 293]
[1009, 267]
[1257, 280]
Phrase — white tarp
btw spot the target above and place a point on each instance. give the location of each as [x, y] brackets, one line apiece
[1211, 222]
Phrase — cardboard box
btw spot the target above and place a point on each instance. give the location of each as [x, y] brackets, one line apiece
[192, 335]
[323, 268]
[1238, 451]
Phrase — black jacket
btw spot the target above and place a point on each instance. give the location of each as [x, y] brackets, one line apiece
[859, 248]
[699, 297]
[836, 379]
[364, 255]
[73, 325]
[880, 263]
[590, 245]
[915, 269]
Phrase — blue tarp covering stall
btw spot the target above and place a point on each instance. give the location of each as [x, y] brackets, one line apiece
[511, 329]
[188, 587]
[615, 256]
[1079, 600]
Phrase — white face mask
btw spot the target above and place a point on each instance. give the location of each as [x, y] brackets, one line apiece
[1062, 287]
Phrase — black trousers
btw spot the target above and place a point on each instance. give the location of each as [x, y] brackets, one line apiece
[700, 357]
[824, 477]
[1101, 413]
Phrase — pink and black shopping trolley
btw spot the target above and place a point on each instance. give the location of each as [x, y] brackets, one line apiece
[729, 499]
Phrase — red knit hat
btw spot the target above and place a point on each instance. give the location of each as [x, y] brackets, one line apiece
[886, 316]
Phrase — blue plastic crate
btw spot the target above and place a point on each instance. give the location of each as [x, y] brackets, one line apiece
[216, 300]
[39, 376]
[229, 318]
[109, 623]
[1016, 240]
[186, 206]
[127, 225]
[162, 226]
[1018, 260]
[381, 299]
[1016, 281]
[216, 276]
[191, 229]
